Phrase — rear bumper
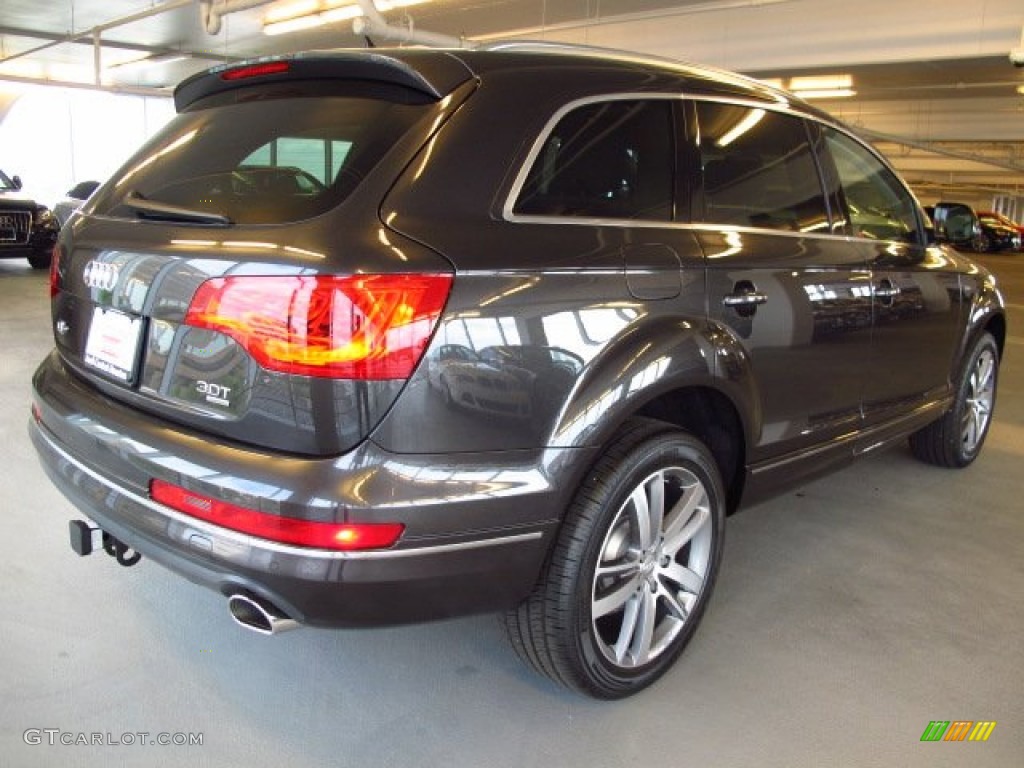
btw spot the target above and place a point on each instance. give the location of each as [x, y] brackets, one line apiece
[478, 526]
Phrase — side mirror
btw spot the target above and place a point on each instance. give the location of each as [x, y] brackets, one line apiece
[17, 182]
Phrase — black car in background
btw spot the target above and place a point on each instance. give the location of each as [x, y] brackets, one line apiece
[961, 226]
[27, 229]
[998, 235]
[544, 318]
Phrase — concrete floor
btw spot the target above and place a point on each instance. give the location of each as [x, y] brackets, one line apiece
[848, 615]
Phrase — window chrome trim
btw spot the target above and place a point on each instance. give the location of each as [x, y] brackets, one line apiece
[507, 212]
[254, 542]
[782, 107]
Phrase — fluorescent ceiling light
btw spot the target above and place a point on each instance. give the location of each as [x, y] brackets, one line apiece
[157, 59]
[291, 11]
[820, 83]
[827, 93]
[292, 25]
[307, 14]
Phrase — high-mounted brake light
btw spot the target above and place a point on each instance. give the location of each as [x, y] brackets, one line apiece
[287, 530]
[367, 327]
[255, 70]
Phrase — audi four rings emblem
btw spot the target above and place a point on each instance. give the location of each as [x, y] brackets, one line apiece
[100, 275]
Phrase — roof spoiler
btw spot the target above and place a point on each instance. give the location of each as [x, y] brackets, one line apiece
[431, 73]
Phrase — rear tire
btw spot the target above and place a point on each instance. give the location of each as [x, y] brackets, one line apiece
[632, 569]
[40, 260]
[956, 439]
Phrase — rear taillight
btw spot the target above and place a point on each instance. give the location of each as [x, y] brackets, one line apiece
[367, 327]
[55, 271]
[287, 530]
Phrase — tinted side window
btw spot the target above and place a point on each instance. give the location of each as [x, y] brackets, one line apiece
[879, 206]
[758, 170]
[610, 160]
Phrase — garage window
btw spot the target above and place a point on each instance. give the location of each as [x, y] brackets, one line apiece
[611, 160]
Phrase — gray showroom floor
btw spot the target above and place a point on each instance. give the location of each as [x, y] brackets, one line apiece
[849, 614]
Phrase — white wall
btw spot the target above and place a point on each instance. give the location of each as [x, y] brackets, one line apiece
[55, 137]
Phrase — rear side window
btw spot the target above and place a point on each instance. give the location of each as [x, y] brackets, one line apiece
[263, 161]
[758, 170]
[879, 206]
[611, 160]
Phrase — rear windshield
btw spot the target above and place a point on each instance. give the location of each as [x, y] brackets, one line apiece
[263, 161]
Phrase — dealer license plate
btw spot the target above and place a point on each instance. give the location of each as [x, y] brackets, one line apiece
[113, 343]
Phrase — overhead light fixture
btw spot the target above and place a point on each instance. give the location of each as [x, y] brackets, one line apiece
[153, 60]
[820, 82]
[1020, 90]
[823, 86]
[836, 93]
[308, 14]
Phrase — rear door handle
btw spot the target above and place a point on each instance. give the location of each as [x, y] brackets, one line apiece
[751, 299]
[744, 299]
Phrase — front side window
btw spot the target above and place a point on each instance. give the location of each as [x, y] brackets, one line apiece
[758, 170]
[611, 160]
[879, 206]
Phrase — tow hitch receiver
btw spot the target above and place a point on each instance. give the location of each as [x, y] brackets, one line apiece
[82, 542]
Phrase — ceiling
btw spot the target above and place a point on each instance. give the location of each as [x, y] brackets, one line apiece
[934, 85]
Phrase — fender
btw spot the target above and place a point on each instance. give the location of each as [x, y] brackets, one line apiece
[654, 357]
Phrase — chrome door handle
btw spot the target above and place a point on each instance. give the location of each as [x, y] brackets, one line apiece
[748, 299]
[887, 291]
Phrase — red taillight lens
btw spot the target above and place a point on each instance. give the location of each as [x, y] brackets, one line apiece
[287, 530]
[256, 70]
[55, 271]
[367, 327]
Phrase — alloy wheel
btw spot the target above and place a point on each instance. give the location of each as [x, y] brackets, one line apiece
[652, 568]
[981, 389]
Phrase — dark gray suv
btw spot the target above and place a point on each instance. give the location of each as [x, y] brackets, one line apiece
[371, 337]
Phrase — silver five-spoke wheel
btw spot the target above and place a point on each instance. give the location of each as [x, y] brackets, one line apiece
[955, 439]
[981, 395]
[653, 566]
[633, 567]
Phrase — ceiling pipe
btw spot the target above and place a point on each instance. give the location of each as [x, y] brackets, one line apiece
[130, 90]
[212, 11]
[925, 146]
[156, 10]
[373, 24]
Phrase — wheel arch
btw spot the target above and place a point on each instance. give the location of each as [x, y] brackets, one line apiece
[697, 381]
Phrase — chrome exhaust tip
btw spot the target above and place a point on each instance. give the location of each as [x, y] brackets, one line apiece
[259, 616]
